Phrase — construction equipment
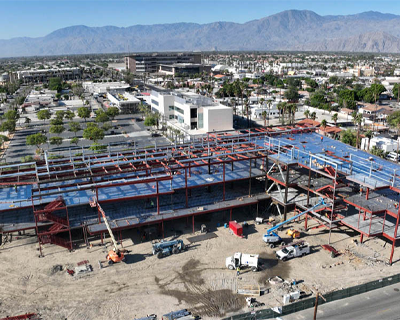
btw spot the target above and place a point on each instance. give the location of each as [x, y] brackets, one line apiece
[166, 248]
[115, 255]
[293, 233]
[253, 303]
[293, 251]
[272, 238]
[242, 260]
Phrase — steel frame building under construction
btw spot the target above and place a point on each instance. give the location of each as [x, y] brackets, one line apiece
[282, 168]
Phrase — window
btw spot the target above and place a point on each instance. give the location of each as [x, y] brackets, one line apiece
[200, 120]
[171, 108]
[193, 113]
[171, 117]
[154, 102]
[179, 110]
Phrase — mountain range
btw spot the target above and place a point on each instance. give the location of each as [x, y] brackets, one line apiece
[291, 30]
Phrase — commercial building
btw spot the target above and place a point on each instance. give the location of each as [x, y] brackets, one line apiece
[183, 69]
[189, 111]
[125, 102]
[289, 168]
[43, 75]
[150, 62]
[104, 87]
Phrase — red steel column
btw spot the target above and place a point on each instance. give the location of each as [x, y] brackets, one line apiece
[158, 199]
[223, 179]
[193, 222]
[186, 189]
[395, 236]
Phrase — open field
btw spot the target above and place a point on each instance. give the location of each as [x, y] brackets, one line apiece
[196, 279]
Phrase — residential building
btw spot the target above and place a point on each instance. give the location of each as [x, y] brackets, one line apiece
[191, 113]
[150, 62]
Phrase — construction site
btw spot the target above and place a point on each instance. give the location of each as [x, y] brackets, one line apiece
[57, 213]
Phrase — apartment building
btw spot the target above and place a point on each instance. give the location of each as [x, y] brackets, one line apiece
[191, 113]
[150, 62]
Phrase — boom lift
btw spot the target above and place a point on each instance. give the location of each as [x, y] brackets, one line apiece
[115, 255]
[272, 238]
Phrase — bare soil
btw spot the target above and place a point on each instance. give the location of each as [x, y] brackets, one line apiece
[196, 279]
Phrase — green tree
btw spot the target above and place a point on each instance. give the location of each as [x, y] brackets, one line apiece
[74, 140]
[369, 134]
[94, 133]
[101, 116]
[66, 97]
[74, 127]
[56, 122]
[357, 120]
[292, 94]
[44, 114]
[394, 121]
[307, 113]
[8, 125]
[69, 115]
[83, 113]
[150, 121]
[112, 112]
[313, 115]
[60, 114]
[56, 141]
[57, 129]
[11, 115]
[348, 137]
[3, 139]
[36, 139]
[324, 124]
[55, 84]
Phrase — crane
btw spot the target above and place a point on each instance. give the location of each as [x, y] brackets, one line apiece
[271, 237]
[114, 255]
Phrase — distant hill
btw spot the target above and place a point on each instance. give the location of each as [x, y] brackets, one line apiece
[288, 30]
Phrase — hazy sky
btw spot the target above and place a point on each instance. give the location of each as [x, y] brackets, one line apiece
[32, 18]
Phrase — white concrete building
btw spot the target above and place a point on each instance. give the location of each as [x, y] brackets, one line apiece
[385, 144]
[104, 87]
[125, 102]
[190, 112]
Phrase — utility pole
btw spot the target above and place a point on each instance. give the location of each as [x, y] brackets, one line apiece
[316, 304]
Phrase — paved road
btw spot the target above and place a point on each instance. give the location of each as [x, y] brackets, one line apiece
[377, 304]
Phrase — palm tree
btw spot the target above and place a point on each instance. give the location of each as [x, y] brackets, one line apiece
[282, 109]
[357, 120]
[395, 123]
[313, 115]
[247, 103]
[269, 104]
[262, 106]
[335, 119]
[307, 113]
[292, 111]
[264, 115]
[323, 124]
[233, 101]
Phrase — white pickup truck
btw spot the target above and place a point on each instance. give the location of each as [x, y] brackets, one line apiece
[293, 251]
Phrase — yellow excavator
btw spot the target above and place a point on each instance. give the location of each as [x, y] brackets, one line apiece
[115, 255]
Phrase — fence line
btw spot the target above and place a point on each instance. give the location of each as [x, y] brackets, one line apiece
[310, 302]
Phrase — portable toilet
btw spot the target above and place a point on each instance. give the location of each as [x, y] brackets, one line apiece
[236, 228]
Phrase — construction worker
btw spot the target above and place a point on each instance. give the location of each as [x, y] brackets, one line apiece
[237, 271]
[322, 138]
[15, 188]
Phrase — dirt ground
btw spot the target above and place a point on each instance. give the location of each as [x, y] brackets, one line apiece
[196, 279]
